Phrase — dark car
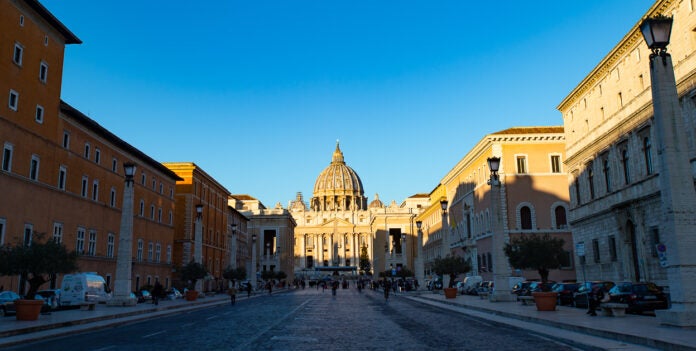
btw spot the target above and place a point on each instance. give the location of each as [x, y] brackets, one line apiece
[640, 297]
[580, 297]
[51, 297]
[565, 292]
[522, 288]
[539, 286]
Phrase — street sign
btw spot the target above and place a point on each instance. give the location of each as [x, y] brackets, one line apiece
[580, 249]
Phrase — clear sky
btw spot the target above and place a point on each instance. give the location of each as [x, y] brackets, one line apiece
[257, 92]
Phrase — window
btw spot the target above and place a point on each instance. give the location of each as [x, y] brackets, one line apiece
[525, 218]
[521, 164]
[619, 100]
[18, 54]
[595, 250]
[7, 157]
[80, 244]
[114, 165]
[43, 72]
[95, 190]
[83, 191]
[161, 188]
[150, 253]
[607, 174]
[590, 179]
[142, 178]
[154, 184]
[612, 248]
[142, 208]
[625, 164]
[87, 150]
[28, 234]
[561, 220]
[152, 212]
[112, 198]
[140, 250]
[158, 252]
[66, 140]
[92, 245]
[45, 40]
[97, 155]
[171, 192]
[171, 218]
[39, 115]
[2, 231]
[62, 172]
[34, 168]
[14, 100]
[565, 260]
[159, 215]
[555, 164]
[647, 146]
[169, 254]
[110, 245]
[58, 232]
[21, 20]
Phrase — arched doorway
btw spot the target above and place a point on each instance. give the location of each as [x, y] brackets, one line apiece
[631, 233]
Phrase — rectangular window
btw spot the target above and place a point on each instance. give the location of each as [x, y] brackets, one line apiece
[142, 178]
[521, 164]
[154, 184]
[158, 253]
[83, 191]
[612, 248]
[111, 239]
[161, 188]
[43, 72]
[555, 164]
[142, 208]
[95, 190]
[34, 168]
[159, 215]
[152, 212]
[140, 250]
[39, 116]
[87, 150]
[97, 155]
[92, 246]
[169, 254]
[566, 260]
[66, 140]
[28, 234]
[14, 100]
[655, 233]
[114, 165]
[58, 232]
[18, 54]
[150, 252]
[595, 250]
[112, 198]
[171, 218]
[62, 173]
[80, 243]
[2, 231]
[7, 158]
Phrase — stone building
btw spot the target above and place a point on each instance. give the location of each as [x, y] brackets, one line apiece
[62, 173]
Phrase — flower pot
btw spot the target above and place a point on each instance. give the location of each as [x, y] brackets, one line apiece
[28, 310]
[545, 301]
[450, 293]
[191, 295]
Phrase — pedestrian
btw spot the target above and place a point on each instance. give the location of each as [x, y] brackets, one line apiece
[157, 292]
[387, 287]
[269, 286]
[248, 287]
[593, 299]
[232, 291]
[334, 287]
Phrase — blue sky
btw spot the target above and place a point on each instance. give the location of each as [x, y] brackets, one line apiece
[257, 92]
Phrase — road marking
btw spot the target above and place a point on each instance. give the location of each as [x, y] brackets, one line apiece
[294, 338]
[154, 334]
[187, 325]
[265, 330]
[211, 317]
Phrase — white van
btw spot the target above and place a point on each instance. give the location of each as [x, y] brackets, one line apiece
[469, 284]
[83, 287]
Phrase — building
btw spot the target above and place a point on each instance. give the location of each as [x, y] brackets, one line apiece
[198, 188]
[337, 224]
[62, 170]
[533, 200]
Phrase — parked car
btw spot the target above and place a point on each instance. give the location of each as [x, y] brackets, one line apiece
[435, 285]
[51, 297]
[580, 298]
[470, 284]
[143, 296]
[522, 288]
[539, 286]
[485, 287]
[174, 294]
[7, 299]
[565, 292]
[640, 297]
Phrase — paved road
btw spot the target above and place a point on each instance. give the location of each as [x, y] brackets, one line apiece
[308, 320]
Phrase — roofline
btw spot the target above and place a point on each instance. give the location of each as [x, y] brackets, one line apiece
[106, 134]
[70, 38]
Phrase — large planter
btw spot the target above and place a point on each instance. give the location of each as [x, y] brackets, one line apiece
[545, 301]
[191, 295]
[28, 310]
[450, 293]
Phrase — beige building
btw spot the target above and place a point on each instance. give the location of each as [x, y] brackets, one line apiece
[533, 200]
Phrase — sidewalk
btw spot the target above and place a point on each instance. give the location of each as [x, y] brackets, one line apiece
[641, 330]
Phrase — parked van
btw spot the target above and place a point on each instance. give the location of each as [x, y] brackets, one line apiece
[83, 287]
[470, 284]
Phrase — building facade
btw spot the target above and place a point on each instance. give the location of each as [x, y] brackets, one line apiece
[62, 170]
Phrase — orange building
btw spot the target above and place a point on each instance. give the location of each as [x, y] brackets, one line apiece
[61, 176]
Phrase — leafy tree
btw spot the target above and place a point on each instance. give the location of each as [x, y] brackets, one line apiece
[281, 275]
[234, 274]
[266, 275]
[37, 262]
[191, 272]
[365, 265]
[452, 266]
[404, 273]
[540, 253]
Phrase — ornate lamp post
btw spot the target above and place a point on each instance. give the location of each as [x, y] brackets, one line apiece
[501, 271]
[676, 181]
[420, 270]
[233, 246]
[252, 279]
[198, 242]
[445, 238]
[124, 263]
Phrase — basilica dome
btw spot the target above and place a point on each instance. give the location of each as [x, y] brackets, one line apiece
[338, 187]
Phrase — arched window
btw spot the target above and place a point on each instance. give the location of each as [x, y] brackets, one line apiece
[526, 217]
[561, 221]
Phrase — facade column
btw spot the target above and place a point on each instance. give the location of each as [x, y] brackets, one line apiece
[198, 243]
[420, 269]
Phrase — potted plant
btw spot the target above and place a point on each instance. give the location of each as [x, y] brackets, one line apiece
[189, 274]
[452, 266]
[540, 253]
[35, 264]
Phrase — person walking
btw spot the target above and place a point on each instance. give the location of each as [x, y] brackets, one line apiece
[157, 292]
[387, 287]
[248, 288]
[232, 291]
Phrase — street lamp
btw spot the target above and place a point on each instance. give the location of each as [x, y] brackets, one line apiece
[198, 242]
[420, 270]
[677, 193]
[445, 237]
[501, 274]
[233, 246]
[253, 261]
[124, 263]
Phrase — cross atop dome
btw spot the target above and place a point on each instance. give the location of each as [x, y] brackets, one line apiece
[337, 155]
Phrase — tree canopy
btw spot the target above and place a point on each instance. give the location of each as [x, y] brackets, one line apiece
[452, 266]
[191, 272]
[540, 253]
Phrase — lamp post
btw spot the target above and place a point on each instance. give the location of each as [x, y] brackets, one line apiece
[445, 238]
[501, 271]
[198, 242]
[253, 261]
[420, 270]
[233, 246]
[124, 263]
[677, 194]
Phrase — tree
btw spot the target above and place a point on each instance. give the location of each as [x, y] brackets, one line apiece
[37, 262]
[451, 265]
[234, 273]
[191, 272]
[365, 266]
[540, 253]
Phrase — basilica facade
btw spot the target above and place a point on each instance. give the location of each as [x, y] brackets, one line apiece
[338, 224]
